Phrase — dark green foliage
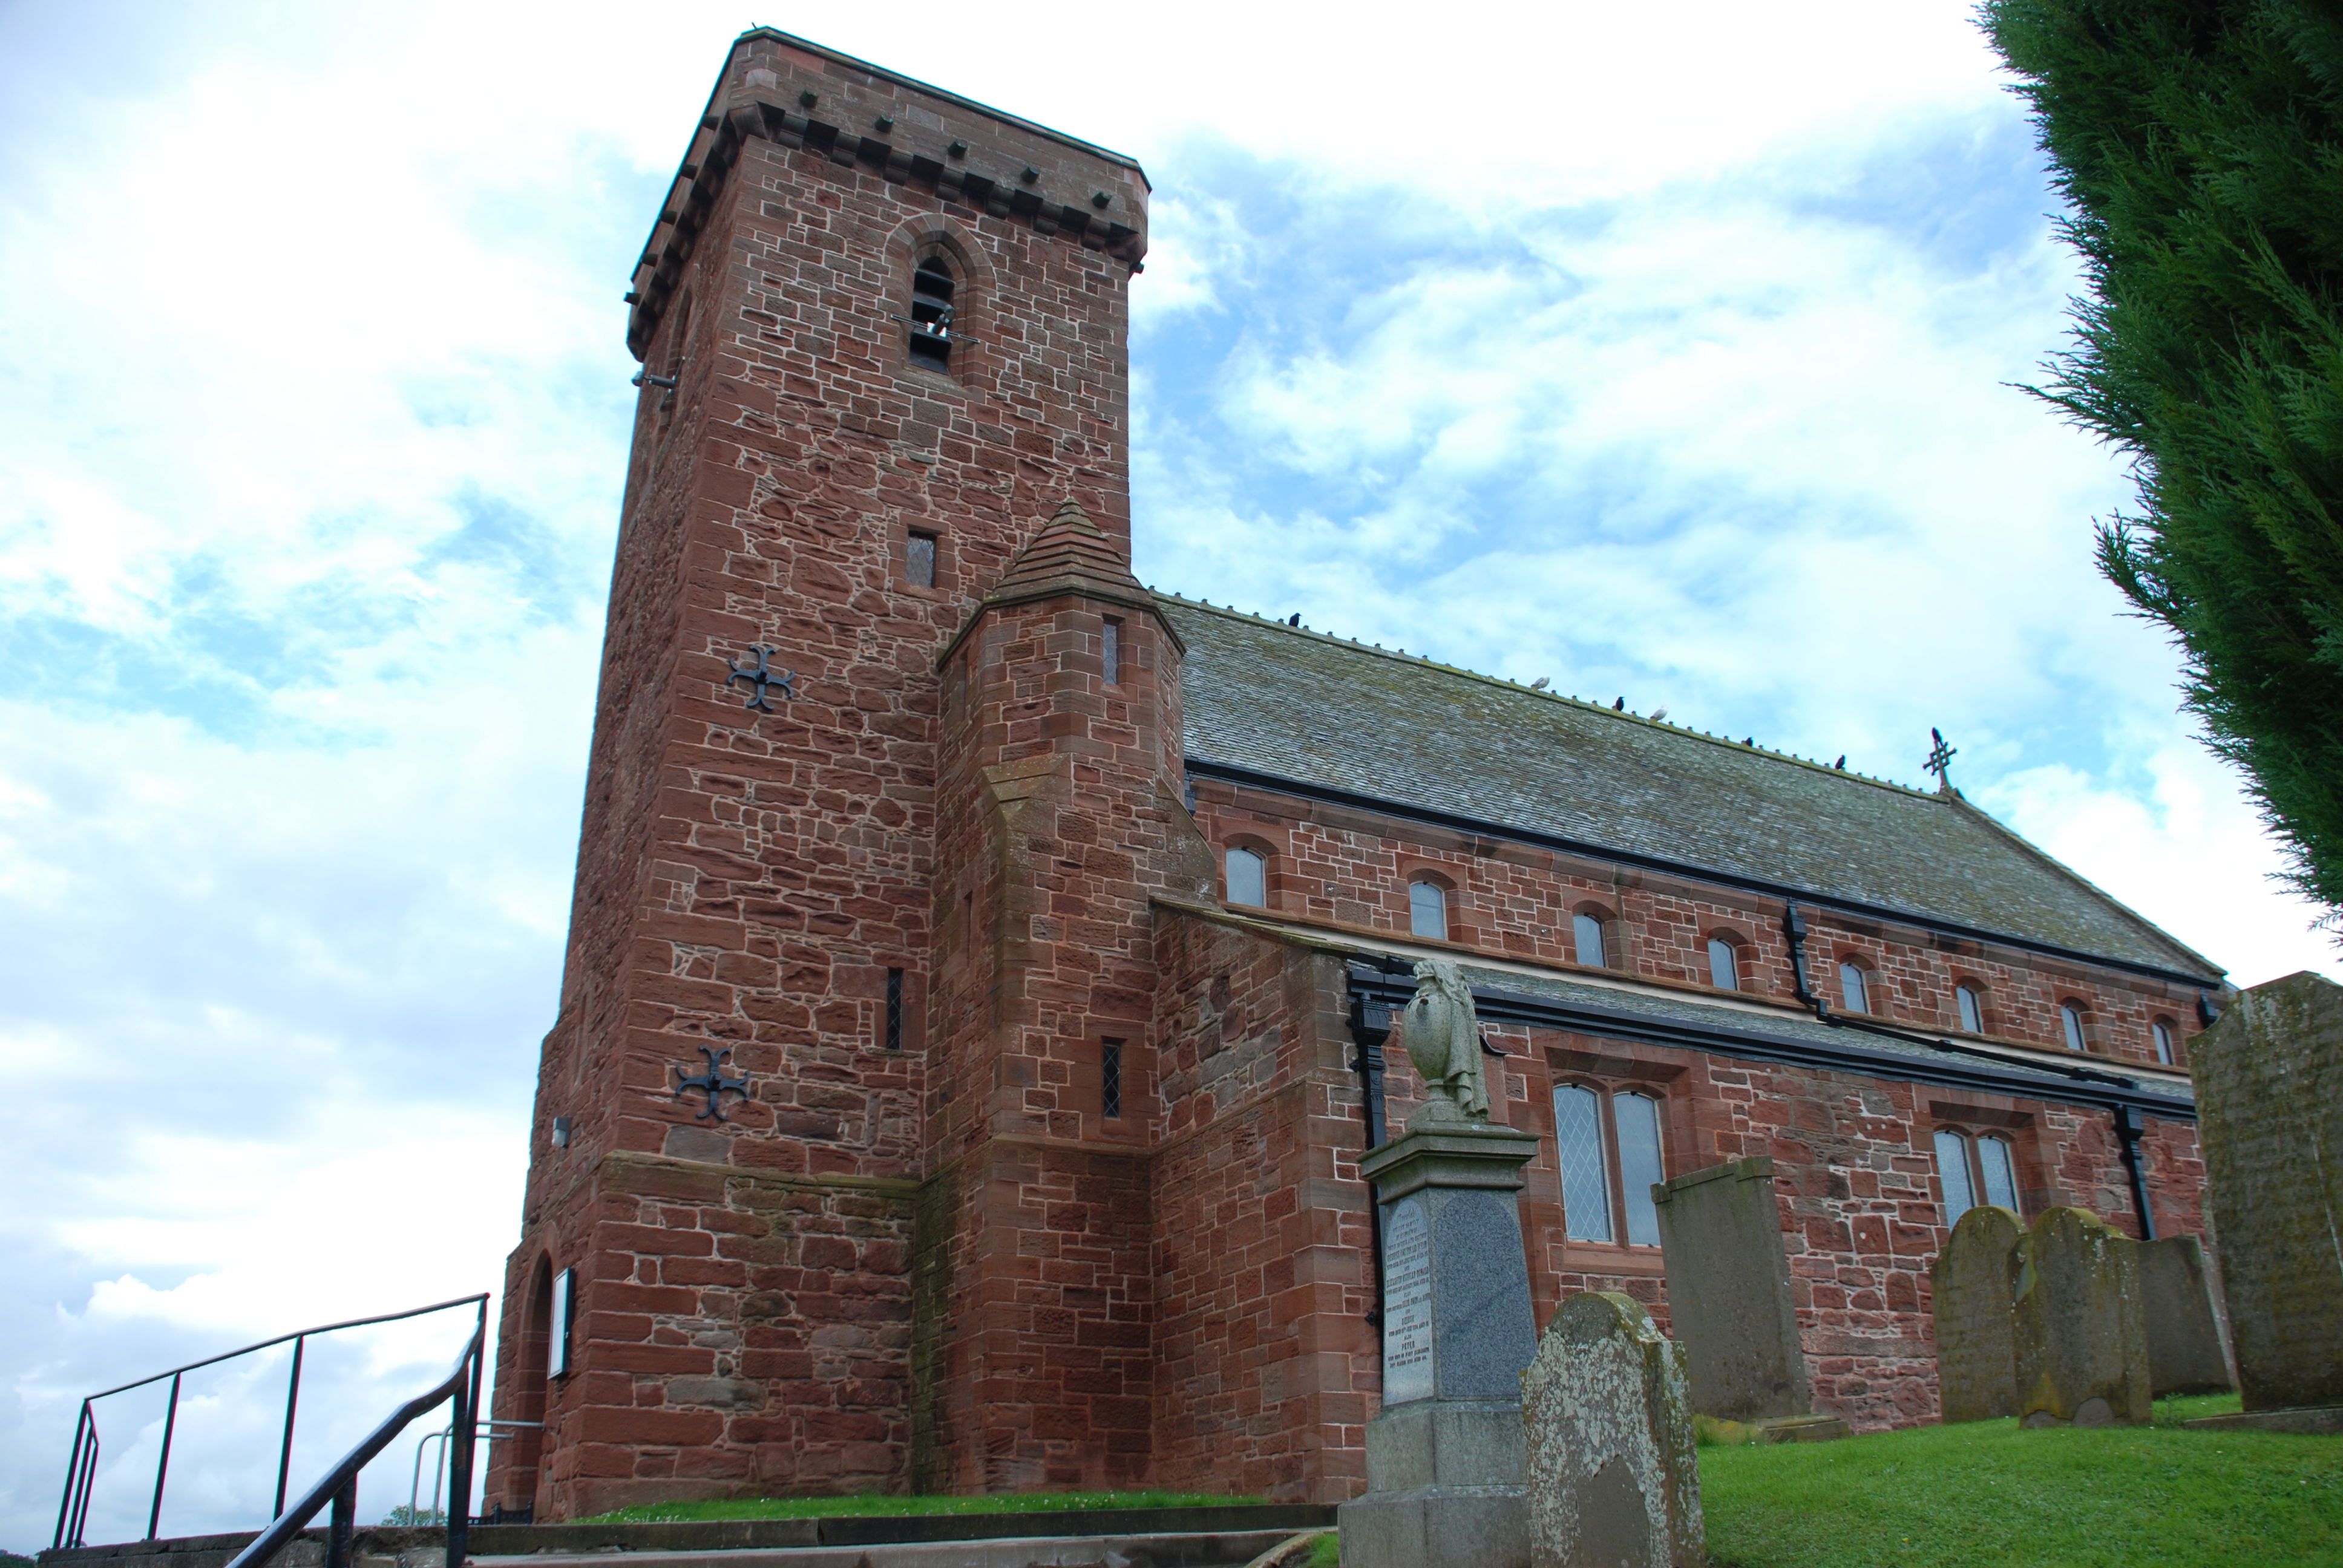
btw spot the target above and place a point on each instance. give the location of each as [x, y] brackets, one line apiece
[2200, 145]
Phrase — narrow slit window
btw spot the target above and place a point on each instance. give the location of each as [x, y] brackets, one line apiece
[1972, 1010]
[1110, 1080]
[894, 1010]
[1636, 1118]
[1588, 929]
[2163, 1032]
[1427, 910]
[1854, 988]
[1953, 1169]
[1585, 1184]
[920, 560]
[1999, 1172]
[931, 314]
[1248, 880]
[1110, 652]
[564, 1313]
[1723, 965]
[2070, 1020]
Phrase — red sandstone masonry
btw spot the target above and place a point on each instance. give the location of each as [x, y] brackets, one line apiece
[945, 1266]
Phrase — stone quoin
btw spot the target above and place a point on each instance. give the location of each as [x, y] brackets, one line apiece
[1058, 930]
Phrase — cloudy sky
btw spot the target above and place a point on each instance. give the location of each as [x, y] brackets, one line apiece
[1666, 351]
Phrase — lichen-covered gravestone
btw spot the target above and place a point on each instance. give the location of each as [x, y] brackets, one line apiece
[1606, 1414]
[2188, 1346]
[1974, 1286]
[2269, 1103]
[2080, 1324]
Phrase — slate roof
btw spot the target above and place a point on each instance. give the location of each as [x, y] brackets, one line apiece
[1797, 1028]
[1317, 711]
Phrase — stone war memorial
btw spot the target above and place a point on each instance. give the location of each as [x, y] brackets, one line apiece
[1024, 1030]
[2270, 1075]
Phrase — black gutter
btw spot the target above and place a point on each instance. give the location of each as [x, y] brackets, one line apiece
[1456, 823]
[1387, 985]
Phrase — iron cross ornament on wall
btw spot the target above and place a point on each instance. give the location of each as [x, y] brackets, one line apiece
[763, 678]
[712, 1082]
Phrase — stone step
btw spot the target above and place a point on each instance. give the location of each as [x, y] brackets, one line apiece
[727, 1540]
[1174, 1549]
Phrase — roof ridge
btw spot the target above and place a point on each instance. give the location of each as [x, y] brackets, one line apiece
[1504, 684]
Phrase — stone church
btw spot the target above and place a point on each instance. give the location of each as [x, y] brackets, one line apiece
[982, 969]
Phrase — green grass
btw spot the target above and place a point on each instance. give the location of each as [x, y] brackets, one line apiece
[1988, 1492]
[871, 1503]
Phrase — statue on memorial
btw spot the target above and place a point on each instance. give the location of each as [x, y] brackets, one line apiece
[1443, 1039]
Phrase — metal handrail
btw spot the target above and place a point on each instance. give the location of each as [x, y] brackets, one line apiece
[81, 1470]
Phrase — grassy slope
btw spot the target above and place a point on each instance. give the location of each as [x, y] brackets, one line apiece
[868, 1506]
[1987, 1493]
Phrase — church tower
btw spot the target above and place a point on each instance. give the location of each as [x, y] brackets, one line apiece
[871, 622]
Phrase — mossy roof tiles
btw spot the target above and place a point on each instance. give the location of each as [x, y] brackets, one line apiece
[1319, 712]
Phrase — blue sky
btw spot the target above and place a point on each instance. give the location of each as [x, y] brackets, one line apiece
[1668, 355]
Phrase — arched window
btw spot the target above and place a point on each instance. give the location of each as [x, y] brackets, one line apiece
[1248, 878]
[932, 288]
[1723, 964]
[2070, 1019]
[1971, 1007]
[1854, 987]
[1427, 910]
[2162, 1030]
[1586, 1177]
[1974, 1171]
[1587, 929]
[1998, 1169]
[1609, 1149]
[1953, 1171]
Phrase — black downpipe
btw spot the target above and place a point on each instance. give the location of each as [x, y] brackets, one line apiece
[1371, 1027]
[2129, 1129]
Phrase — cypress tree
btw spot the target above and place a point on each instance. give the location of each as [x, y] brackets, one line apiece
[2199, 146]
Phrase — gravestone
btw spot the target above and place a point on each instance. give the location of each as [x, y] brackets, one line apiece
[2187, 1344]
[1729, 1300]
[2270, 1103]
[1607, 1415]
[1973, 1285]
[2080, 1325]
[1444, 1456]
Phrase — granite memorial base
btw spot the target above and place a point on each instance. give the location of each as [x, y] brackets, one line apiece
[1613, 1469]
[2270, 1103]
[2080, 1324]
[1972, 1286]
[2188, 1343]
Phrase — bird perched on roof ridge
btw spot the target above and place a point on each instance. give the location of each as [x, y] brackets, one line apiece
[1541, 682]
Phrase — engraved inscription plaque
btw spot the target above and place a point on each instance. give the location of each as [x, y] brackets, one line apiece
[1407, 1302]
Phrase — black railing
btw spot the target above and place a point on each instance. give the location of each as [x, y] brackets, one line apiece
[340, 1486]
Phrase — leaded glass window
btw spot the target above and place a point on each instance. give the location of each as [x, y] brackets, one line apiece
[1723, 965]
[2070, 1019]
[1972, 1010]
[1953, 1171]
[2163, 1032]
[1637, 1120]
[1585, 1180]
[2000, 1172]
